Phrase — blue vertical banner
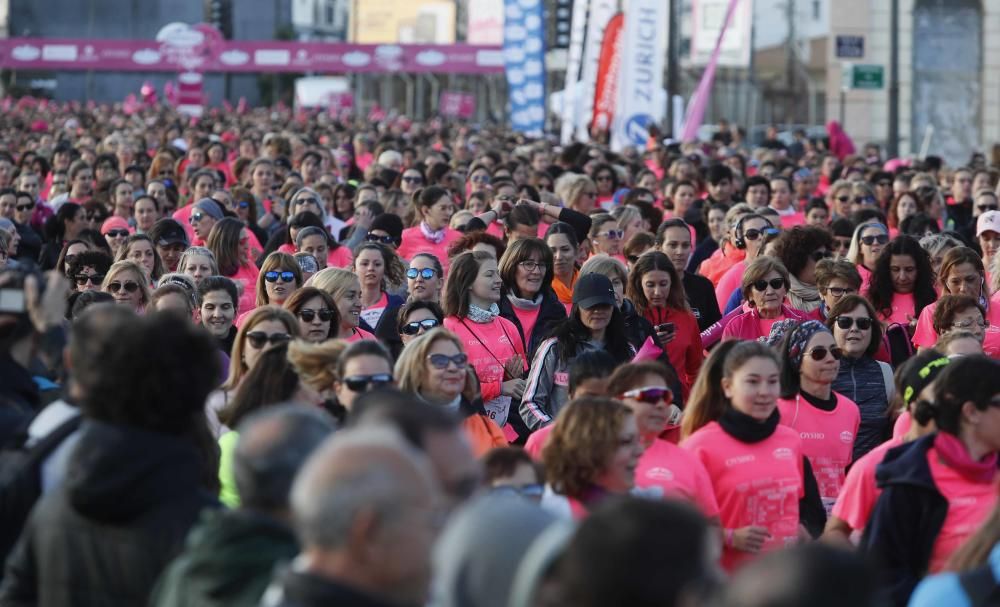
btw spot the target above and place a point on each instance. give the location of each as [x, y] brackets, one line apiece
[524, 60]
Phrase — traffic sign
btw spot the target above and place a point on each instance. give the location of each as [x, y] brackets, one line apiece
[864, 77]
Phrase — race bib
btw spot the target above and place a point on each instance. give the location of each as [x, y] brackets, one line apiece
[498, 409]
[372, 316]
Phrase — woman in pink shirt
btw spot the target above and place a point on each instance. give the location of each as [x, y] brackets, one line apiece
[528, 300]
[592, 453]
[765, 285]
[606, 236]
[902, 284]
[345, 288]
[756, 465]
[279, 277]
[866, 245]
[826, 422]
[492, 342]
[962, 273]
[229, 241]
[432, 235]
[937, 490]
[379, 269]
[915, 392]
[664, 468]
[750, 234]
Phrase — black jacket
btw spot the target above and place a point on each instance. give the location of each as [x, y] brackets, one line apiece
[102, 539]
[30, 245]
[550, 313]
[303, 589]
[19, 396]
[701, 297]
[907, 518]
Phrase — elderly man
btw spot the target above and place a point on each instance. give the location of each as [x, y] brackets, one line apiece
[366, 509]
[231, 554]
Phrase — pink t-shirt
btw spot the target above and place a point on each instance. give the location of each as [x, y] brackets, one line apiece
[677, 473]
[527, 318]
[827, 439]
[536, 442]
[341, 257]
[795, 219]
[858, 495]
[373, 313]
[866, 277]
[925, 337]
[359, 334]
[903, 307]
[414, 243]
[754, 484]
[969, 504]
[489, 346]
[729, 282]
[247, 276]
[902, 425]
[765, 324]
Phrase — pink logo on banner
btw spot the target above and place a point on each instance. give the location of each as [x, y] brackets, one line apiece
[454, 104]
[340, 102]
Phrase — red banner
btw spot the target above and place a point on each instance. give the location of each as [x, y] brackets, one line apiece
[606, 91]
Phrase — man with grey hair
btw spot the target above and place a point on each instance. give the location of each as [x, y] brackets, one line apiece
[366, 509]
[231, 554]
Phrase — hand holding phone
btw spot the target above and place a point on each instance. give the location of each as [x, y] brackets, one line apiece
[666, 332]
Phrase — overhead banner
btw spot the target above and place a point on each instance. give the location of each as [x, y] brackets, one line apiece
[574, 63]
[240, 56]
[641, 100]
[524, 58]
[606, 91]
[601, 12]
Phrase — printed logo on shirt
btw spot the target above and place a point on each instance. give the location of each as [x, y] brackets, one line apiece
[812, 435]
[660, 473]
[740, 459]
[847, 437]
[964, 501]
[783, 453]
[561, 379]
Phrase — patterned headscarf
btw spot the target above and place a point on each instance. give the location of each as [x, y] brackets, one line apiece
[798, 338]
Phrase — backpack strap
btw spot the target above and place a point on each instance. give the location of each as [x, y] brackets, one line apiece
[890, 387]
[48, 443]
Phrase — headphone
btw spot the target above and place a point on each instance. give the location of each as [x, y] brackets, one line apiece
[739, 241]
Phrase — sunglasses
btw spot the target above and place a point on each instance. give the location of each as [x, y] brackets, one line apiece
[480, 179]
[274, 275]
[413, 179]
[878, 238]
[196, 217]
[843, 198]
[846, 322]
[312, 201]
[754, 233]
[307, 314]
[864, 200]
[775, 283]
[380, 239]
[982, 207]
[842, 243]
[651, 395]
[82, 279]
[840, 291]
[426, 273]
[129, 286]
[119, 233]
[412, 328]
[441, 361]
[243, 204]
[28, 207]
[613, 234]
[820, 255]
[819, 353]
[360, 383]
[258, 339]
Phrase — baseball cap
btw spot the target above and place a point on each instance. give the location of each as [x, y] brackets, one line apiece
[593, 290]
[988, 222]
[171, 232]
[114, 223]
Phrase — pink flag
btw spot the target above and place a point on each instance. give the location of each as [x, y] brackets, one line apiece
[696, 107]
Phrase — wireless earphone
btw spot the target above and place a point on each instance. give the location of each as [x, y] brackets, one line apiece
[739, 241]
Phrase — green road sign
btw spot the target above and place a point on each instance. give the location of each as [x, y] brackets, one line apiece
[870, 77]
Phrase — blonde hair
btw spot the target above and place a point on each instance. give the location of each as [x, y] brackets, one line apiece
[606, 265]
[569, 186]
[625, 215]
[411, 366]
[334, 281]
[120, 267]
[316, 364]
[237, 368]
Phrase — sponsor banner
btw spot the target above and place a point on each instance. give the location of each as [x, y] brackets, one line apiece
[606, 91]
[601, 12]
[403, 21]
[569, 113]
[524, 55]
[485, 24]
[205, 54]
[455, 104]
[641, 102]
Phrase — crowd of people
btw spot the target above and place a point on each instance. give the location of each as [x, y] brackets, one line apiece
[269, 358]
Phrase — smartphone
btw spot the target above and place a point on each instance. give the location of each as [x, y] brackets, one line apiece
[12, 300]
[667, 327]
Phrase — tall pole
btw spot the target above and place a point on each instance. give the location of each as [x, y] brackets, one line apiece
[892, 145]
[673, 66]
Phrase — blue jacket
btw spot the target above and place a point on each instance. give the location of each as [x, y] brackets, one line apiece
[953, 589]
[906, 520]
